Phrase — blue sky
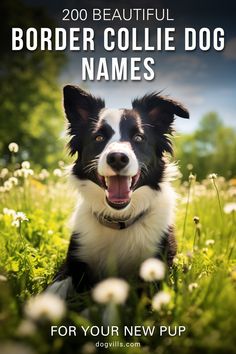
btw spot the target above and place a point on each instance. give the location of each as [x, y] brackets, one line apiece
[203, 81]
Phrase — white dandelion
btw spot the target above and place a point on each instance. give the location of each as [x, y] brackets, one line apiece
[230, 208]
[20, 216]
[152, 269]
[43, 174]
[111, 290]
[192, 287]
[7, 185]
[10, 212]
[191, 177]
[45, 305]
[16, 223]
[210, 242]
[13, 147]
[13, 181]
[4, 172]
[25, 164]
[57, 172]
[212, 176]
[161, 299]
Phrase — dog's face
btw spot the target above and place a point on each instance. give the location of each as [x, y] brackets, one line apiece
[120, 150]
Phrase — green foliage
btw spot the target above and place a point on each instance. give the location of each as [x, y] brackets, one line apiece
[210, 148]
[201, 283]
[30, 108]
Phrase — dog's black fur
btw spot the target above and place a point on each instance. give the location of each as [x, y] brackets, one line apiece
[146, 128]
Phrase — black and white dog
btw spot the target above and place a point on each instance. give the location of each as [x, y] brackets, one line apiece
[126, 205]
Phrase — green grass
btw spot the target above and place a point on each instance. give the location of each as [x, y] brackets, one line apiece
[31, 254]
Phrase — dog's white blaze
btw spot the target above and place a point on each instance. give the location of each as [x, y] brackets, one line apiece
[113, 118]
[107, 249]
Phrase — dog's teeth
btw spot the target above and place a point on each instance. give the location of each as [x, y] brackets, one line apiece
[130, 181]
[106, 181]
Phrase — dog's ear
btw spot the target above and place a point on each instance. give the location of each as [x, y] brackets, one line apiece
[160, 110]
[81, 109]
[80, 105]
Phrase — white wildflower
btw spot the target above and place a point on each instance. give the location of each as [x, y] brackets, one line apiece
[13, 147]
[57, 172]
[18, 173]
[20, 216]
[192, 286]
[152, 269]
[25, 164]
[45, 305]
[8, 185]
[230, 208]
[4, 172]
[15, 223]
[13, 180]
[111, 290]
[10, 212]
[2, 189]
[161, 299]
[212, 176]
[43, 174]
[191, 177]
[210, 242]
[26, 172]
[61, 164]
[189, 166]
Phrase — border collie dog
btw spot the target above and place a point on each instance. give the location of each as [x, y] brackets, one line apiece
[126, 204]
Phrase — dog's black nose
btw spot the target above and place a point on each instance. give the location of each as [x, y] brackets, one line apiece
[117, 160]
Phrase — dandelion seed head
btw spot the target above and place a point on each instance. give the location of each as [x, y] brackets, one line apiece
[10, 212]
[111, 290]
[152, 269]
[192, 287]
[45, 305]
[57, 172]
[230, 208]
[43, 174]
[161, 299]
[16, 223]
[196, 220]
[25, 165]
[191, 177]
[20, 216]
[13, 180]
[8, 185]
[4, 172]
[210, 242]
[212, 176]
[189, 166]
[13, 147]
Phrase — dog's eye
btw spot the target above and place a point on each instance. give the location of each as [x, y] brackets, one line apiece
[99, 138]
[138, 138]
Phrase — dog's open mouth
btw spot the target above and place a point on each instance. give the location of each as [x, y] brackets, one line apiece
[118, 189]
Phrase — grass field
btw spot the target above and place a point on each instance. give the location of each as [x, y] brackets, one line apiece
[199, 292]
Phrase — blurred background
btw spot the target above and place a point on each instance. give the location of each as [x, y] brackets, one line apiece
[31, 111]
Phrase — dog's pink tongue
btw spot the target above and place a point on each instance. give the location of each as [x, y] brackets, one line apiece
[118, 189]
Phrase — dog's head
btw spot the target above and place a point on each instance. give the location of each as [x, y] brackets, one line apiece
[120, 150]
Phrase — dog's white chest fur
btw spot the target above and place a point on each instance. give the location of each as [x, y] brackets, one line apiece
[106, 249]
